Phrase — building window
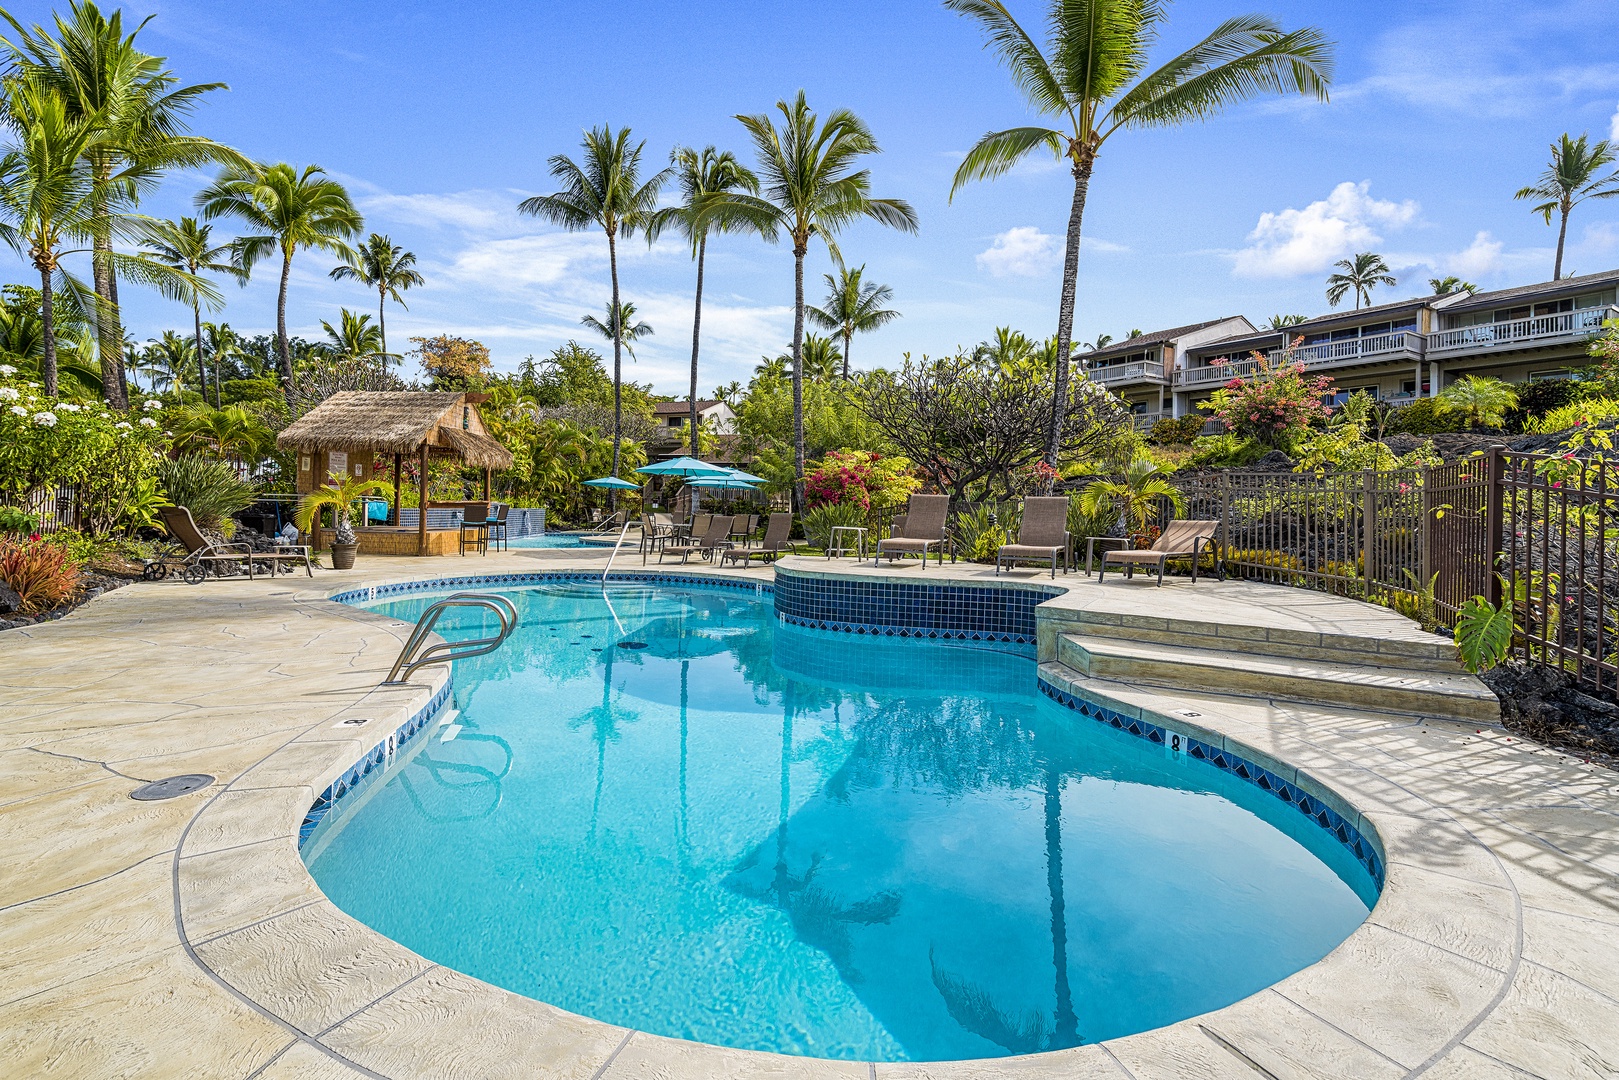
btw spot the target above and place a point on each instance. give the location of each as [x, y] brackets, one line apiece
[1550, 374]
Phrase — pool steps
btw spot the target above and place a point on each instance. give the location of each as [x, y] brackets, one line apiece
[1361, 677]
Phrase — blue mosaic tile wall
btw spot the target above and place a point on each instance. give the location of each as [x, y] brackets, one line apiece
[1338, 827]
[490, 581]
[909, 609]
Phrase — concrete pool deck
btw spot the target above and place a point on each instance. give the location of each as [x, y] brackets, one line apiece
[184, 938]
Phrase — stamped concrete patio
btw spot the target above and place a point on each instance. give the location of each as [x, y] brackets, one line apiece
[184, 938]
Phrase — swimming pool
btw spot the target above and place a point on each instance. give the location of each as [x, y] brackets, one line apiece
[662, 808]
[550, 540]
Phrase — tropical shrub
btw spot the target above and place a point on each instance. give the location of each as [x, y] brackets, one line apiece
[1574, 414]
[40, 572]
[861, 477]
[1483, 633]
[17, 522]
[976, 534]
[1082, 523]
[1423, 417]
[210, 489]
[818, 522]
[1181, 432]
[1135, 495]
[1543, 396]
[1274, 405]
[1226, 451]
[340, 500]
[1478, 401]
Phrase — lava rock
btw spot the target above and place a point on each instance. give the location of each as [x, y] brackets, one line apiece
[9, 600]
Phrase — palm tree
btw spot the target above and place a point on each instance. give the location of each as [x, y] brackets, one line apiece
[1365, 272]
[387, 268]
[339, 497]
[623, 328]
[169, 359]
[852, 307]
[810, 188]
[605, 192]
[49, 198]
[222, 344]
[1008, 348]
[1482, 402]
[228, 432]
[821, 358]
[284, 209]
[354, 338]
[1444, 286]
[1091, 76]
[1282, 322]
[1135, 495]
[105, 80]
[700, 176]
[186, 245]
[1570, 179]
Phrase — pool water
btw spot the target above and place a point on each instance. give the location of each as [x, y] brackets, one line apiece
[549, 540]
[665, 810]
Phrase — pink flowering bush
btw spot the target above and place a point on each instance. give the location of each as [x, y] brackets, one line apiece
[859, 478]
[1274, 405]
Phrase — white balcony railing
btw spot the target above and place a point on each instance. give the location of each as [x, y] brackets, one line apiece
[1569, 326]
[1145, 420]
[1115, 374]
[1399, 345]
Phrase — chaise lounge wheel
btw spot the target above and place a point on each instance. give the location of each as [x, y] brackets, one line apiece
[152, 572]
[195, 574]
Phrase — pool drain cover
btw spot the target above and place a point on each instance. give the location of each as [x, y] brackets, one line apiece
[171, 787]
[632, 644]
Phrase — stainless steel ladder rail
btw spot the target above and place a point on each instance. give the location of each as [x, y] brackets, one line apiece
[616, 545]
[446, 651]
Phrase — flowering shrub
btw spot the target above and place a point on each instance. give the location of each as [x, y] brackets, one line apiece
[40, 572]
[48, 441]
[861, 478]
[1274, 405]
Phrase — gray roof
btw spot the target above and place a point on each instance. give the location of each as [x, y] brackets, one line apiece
[681, 408]
[1157, 337]
[1495, 298]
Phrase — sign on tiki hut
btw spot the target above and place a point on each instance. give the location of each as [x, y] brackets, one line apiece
[342, 436]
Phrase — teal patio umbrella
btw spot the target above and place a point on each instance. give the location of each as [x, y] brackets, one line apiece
[612, 482]
[687, 467]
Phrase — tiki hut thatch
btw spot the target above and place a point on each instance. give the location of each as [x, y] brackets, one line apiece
[404, 423]
[398, 422]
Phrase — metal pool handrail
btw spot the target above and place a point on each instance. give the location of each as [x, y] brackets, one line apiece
[446, 651]
[616, 545]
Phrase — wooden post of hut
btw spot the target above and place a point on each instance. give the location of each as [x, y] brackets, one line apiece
[343, 435]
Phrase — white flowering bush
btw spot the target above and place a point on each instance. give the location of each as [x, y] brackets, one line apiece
[45, 442]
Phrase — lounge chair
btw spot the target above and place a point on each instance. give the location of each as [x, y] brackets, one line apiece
[715, 538]
[203, 555]
[1042, 535]
[774, 546]
[743, 526]
[1179, 540]
[699, 526]
[475, 528]
[656, 531]
[923, 530]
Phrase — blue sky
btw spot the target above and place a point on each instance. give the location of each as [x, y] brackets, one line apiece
[439, 118]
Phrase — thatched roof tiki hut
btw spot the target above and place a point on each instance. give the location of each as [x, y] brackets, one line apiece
[343, 434]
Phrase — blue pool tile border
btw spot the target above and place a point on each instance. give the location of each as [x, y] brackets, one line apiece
[858, 605]
[372, 761]
[1329, 820]
[540, 577]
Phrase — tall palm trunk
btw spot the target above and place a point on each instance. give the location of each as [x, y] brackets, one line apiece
[382, 324]
[281, 328]
[799, 251]
[47, 320]
[1065, 311]
[202, 366]
[848, 339]
[696, 327]
[1562, 234]
[618, 347]
[109, 327]
[1066, 1025]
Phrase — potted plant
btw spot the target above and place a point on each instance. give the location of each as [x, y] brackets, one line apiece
[340, 498]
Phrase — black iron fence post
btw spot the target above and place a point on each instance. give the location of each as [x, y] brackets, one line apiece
[1368, 529]
[1495, 490]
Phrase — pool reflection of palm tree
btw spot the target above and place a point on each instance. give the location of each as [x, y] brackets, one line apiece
[603, 721]
[1031, 1031]
[819, 918]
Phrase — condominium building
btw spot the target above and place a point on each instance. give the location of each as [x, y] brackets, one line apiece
[1397, 352]
[1141, 369]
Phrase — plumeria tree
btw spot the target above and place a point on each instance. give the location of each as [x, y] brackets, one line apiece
[1273, 405]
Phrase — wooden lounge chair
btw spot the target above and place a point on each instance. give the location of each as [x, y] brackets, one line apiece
[1042, 534]
[204, 556]
[1179, 540]
[719, 528]
[923, 530]
[774, 546]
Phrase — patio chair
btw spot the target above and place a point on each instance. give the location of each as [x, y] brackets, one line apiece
[772, 547]
[656, 531]
[715, 538]
[743, 527]
[1042, 534]
[922, 532]
[1179, 540]
[698, 526]
[204, 555]
[475, 528]
[497, 527]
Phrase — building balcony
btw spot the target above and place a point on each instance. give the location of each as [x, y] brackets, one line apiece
[1123, 374]
[1145, 420]
[1399, 347]
[1565, 328]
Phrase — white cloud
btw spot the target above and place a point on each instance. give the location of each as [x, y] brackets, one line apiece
[475, 211]
[1479, 259]
[1292, 242]
[1613, 126]
[525, 261]
[1023, 251]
